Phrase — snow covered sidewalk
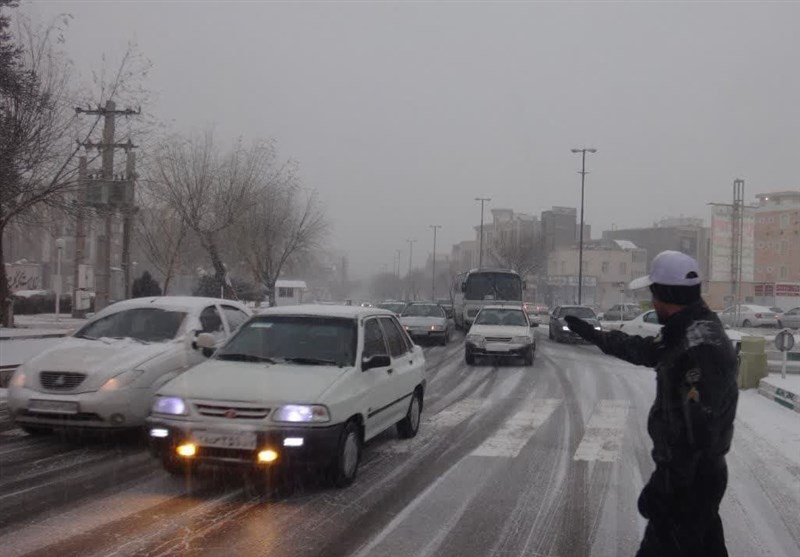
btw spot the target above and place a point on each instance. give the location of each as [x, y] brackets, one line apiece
[785, 392]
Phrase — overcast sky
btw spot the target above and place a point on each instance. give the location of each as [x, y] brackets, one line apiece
[400, 114]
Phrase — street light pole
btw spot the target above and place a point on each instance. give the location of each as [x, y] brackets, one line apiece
[480, 249]
[435, 227]
[583, 173]
[60, 243]
[410, 257]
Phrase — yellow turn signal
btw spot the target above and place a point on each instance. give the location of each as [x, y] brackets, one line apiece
[188, 449]
[267, 455]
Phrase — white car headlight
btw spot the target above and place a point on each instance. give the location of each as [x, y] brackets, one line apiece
[475, 339]
[437, 327]
[122, 380]
[598, 328]
[521, 340]
[171, 405]
[302, 413]
[565, 328]
[19, 378]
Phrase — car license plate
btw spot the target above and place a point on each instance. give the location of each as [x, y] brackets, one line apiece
[498, 347]
[53, 406]
[226, 440]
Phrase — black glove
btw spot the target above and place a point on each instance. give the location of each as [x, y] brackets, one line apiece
[582, 328]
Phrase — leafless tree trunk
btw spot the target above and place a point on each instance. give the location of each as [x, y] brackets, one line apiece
[161, 233]
[524, 255]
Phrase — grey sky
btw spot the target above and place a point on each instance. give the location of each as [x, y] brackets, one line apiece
[401, 113]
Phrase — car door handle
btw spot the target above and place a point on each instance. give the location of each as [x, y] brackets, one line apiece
[390, 370]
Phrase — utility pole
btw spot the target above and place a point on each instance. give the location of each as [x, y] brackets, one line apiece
[107, 201]
[410, 257]
[80, 238]
[435, 227]
[583, 174]
[480, 249]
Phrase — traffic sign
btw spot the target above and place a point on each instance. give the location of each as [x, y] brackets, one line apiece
[784, 340]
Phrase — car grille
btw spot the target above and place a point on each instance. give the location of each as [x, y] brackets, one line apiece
[61, 380]
[232, 412]
[498, 339]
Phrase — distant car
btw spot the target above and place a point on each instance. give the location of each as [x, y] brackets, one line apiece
[791, 318]
[395, 307]
[296, 386]
[427, 320]
[501, 331]
[647, 325]
[749, 315]
[621, 312]
[105, 374]
[560, 332]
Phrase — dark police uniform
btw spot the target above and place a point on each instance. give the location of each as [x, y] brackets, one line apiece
[691, 424]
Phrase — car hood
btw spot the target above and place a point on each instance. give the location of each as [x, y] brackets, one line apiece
[421, 321]
[254, 382]
[498, 331]
[102, 358]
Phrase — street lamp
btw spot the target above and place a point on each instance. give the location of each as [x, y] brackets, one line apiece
[410, 256]
[480, 250]
[60, 244]
[583, 173]
[435, 227]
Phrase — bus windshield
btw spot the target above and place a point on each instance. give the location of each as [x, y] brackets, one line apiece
[493, 286]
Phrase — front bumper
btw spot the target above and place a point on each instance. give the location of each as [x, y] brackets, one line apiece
[425, 333]
[501, 349]
[319, 445]
[124, 408]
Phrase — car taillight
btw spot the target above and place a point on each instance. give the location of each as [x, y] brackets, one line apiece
[758, 316]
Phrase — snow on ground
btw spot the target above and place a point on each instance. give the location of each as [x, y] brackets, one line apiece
[47, 321]
[6, 334]
[778, 426]
[791, 383]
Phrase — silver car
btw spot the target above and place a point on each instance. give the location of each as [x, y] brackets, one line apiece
[427, 320]
[791, 318]
[749, 315]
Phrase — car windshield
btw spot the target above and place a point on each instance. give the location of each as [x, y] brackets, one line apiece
[143, 324]
[294, 338]
[396, 307]
[423, 310]
[582, 312]
[493, 286]
[508, 317]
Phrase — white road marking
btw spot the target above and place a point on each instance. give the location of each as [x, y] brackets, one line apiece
[517, 430]
[433, 427]
[602, 437]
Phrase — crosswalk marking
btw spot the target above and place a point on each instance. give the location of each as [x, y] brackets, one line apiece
[448, 418]
[517, 430]
[603, 435]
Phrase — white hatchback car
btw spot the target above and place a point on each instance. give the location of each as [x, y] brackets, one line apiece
[502, 331]
[295, 385]
[105, 374]
[647, 325]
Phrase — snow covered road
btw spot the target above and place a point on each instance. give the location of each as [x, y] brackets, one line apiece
[509, 461]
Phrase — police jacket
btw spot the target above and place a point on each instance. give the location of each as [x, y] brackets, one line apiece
[691, 420]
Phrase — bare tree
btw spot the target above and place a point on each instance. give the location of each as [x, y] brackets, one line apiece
[282, 225]
[161, 234]
[208, 191]
[38, 127]
[524, 255]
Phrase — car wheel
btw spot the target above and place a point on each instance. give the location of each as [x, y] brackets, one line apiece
[348, 455]
[178, 468]
[408, 426]
[746, 323]
[529, 357]
[36, 430]
[469, 357]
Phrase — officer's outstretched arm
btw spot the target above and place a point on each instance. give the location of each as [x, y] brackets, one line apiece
[637, 350]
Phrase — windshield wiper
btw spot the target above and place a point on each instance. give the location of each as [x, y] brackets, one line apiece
[313, 361]
[87, 337]
[235, 357]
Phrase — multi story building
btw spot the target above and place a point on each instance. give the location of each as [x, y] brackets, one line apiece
[688, 235]
[464, 256]
[777, 249]
[560, 228]
[608, 267]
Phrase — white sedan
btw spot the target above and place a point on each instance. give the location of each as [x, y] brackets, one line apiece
[296, 385]
[105, 374]
[501, 331]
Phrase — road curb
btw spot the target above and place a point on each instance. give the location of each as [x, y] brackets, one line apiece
[779, 395]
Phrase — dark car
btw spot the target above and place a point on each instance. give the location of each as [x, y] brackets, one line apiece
[559, 331]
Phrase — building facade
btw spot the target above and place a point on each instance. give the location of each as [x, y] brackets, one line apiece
[560, 228]
[777, 249]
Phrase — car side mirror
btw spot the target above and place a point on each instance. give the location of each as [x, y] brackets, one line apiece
[371, 362]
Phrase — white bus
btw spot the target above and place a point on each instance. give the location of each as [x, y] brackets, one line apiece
[474, 289]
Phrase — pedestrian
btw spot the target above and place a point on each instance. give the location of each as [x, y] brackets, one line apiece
[691, 420]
